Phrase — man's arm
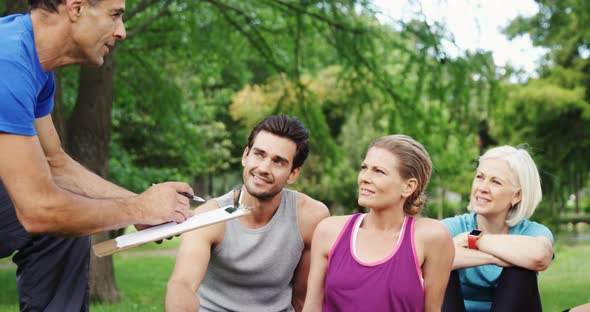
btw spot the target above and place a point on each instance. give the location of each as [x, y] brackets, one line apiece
[69, 174]
[310, 213]
[192, 261]
[42, 206]
[438, 260]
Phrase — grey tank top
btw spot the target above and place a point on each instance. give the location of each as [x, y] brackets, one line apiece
[252, 269]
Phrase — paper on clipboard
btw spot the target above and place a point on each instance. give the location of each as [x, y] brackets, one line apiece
[167, 230]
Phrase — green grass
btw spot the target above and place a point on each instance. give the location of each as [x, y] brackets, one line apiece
[141, 281]
[566, 283]
[142, 278]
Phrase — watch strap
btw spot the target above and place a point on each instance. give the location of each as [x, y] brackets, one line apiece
[472, 241]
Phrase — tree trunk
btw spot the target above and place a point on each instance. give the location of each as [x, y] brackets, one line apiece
[577, 200]
[57, 115]
[199, 185]
[89, 135]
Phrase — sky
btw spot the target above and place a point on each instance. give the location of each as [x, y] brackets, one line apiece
[475, 24]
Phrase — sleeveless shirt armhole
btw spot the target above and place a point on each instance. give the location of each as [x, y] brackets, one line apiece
[352, 217]
[414, 253]
[295, 196]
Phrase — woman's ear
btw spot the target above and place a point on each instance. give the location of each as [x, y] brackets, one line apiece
[409, 187]
[517, 197]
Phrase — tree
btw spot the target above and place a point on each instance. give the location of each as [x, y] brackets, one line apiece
[331, 63]
[558, 101]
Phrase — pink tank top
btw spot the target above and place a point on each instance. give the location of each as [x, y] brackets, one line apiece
[392, 284]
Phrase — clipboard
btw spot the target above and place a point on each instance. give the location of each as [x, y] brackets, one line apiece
[169, 229]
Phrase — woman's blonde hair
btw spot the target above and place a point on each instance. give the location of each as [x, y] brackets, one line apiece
[413, 162]
[525, 177]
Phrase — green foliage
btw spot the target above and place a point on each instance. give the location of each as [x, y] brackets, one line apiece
[551, 113]
[193, 78]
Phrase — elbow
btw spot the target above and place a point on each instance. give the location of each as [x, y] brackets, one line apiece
[171, 285]
[36, 219]
[34, 226]
[175, 286]
[37, 226]
[542, 261]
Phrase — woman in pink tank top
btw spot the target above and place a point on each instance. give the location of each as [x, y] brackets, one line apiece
[384, 260]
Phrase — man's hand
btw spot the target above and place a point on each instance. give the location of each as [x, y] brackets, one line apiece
[161, 203]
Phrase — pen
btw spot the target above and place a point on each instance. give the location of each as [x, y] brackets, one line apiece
[191, 196]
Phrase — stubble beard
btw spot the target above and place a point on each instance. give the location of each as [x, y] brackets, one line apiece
[261, 196]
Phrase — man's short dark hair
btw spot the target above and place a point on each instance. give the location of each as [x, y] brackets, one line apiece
[51, 5]
[286, 127]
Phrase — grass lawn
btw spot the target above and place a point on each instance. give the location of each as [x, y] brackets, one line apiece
[566, 283]
[141, 279]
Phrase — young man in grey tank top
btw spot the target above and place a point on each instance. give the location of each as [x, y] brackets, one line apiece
[259, 262]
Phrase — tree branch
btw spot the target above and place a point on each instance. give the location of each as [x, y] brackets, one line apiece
[254, 37]
[323, 18]
[144, 4]
[163, 11]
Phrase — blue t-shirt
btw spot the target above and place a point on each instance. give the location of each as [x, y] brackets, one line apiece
[479, 283]
[26, 90]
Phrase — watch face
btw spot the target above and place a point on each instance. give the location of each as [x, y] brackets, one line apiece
[475, 232]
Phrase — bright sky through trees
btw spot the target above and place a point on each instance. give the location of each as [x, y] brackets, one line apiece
[475, 24]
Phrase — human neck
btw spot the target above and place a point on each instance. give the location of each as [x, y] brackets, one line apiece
[51, 30]
[495, 225]
[384, 220]
[262, 209]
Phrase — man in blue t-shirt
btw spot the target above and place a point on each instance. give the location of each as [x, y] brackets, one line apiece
[42, 189]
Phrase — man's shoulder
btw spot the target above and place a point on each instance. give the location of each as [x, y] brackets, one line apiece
[15, 36]
[311, 207]
[212, 233]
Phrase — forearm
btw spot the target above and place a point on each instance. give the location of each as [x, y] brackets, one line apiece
[467, 258]
[533, 253]
[179, 297]
[66, 213]
[43, 206]
[71, 176]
